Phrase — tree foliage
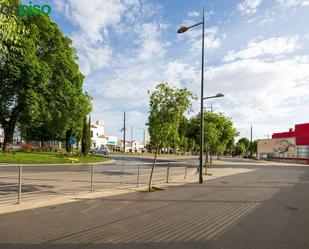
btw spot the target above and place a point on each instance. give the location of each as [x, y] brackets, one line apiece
[86, 138]
[41, 87]
[219, 133]
[242, 146]
[167, 108]
[11, 30]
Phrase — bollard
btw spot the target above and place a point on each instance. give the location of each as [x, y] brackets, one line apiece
[19, 183]
[138, 175]
[92, 175]
[185, 176]
[167, 173]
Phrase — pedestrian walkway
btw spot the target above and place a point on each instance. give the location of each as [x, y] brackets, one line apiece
[267, 208]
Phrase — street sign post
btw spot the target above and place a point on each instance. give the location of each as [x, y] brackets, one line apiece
[72, 142]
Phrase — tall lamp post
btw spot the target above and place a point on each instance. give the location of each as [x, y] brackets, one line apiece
[183, 29]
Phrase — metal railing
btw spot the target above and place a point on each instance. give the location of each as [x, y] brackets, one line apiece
[37, 181]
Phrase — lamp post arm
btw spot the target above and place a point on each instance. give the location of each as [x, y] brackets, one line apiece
[212, 97]
[200, 23]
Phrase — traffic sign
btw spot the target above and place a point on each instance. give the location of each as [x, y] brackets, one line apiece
[72, 140]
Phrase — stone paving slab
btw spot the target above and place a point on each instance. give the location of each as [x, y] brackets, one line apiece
[259, 209]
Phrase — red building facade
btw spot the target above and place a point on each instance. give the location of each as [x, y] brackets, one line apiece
[301, 133]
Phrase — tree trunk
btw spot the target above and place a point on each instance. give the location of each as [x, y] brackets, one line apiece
[68, 146]
[8, 138]
[206, 162]
[9, 127]
[152, 169]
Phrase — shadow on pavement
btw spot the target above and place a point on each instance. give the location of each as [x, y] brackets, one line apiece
[263, 209]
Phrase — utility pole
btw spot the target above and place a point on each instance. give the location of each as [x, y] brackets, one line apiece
[145, 143]
[251, 151]
[124, 132]
[132, 138]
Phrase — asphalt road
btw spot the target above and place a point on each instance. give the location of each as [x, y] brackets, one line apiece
[264, 208]
[122, 172]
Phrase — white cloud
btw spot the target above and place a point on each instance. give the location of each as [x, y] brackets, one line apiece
[151, 44]
[259, 91]
[248, 6]
[94, 18]
[212, 42]
[271, 46]
[93, 22]
[180, 74]
[293, 3]
[193, 14]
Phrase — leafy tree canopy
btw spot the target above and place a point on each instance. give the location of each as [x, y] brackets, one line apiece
[167, 107]
[41, 87]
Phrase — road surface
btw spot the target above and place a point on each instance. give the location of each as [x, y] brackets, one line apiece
[266, 207]
[122, 172]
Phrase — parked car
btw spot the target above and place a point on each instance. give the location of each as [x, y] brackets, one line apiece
[101, 150]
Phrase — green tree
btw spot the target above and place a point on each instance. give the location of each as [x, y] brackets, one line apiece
[42, 87]
[219, 132]
[183, 134]
[245, 143]
[23, 77]
[167, 107]
[254, 147]
[240, 149]
[10, 29]
[86, 139]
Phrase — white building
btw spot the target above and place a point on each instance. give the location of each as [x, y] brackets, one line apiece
[131, 146]
[97, 133]
[99, 139]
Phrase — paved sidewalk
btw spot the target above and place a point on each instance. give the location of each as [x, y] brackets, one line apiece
[267, 208]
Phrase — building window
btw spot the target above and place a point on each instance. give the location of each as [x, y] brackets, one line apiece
[91, 133]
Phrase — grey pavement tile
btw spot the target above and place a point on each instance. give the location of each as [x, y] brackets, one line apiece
[171, 245]
[238, 233]
[239, 214]
[225, 243]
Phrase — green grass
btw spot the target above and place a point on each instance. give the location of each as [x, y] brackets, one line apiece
[46, 158]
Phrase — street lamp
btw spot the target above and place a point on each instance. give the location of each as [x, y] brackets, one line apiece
[183, 29]
[218, 95]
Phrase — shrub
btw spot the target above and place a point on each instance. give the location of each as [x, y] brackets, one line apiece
[26, 147]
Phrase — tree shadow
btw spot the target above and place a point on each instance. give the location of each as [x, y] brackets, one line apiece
[253, 214]
[9, 188]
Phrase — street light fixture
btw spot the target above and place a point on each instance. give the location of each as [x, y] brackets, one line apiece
[218, 95]
[183, 29]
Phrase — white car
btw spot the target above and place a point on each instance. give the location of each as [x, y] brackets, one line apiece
[101, 150]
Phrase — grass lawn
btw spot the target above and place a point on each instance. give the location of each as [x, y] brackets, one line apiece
[47, 158]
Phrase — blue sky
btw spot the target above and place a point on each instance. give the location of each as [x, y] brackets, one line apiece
[257, 54]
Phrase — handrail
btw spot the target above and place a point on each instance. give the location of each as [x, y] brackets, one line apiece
[85, 164]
